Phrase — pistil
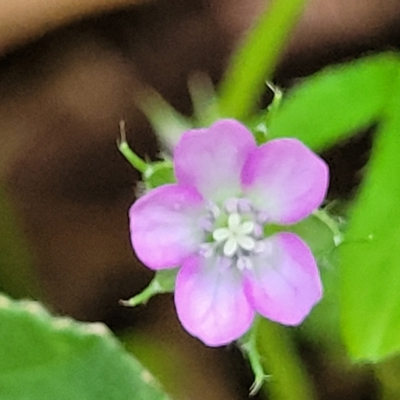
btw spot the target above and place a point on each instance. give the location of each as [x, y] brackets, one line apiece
[234, 232]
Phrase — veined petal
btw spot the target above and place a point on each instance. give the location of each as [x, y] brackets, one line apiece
[210, 301]
[165, 225]
[285, 180]
[212, 159]
[284, 284]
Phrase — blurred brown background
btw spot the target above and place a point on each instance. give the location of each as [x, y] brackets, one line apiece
[68, 73]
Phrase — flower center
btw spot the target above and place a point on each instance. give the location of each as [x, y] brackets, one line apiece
[236, 235]
[234, 231]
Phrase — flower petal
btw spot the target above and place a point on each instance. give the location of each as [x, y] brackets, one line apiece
[285, 179]
[212, 159]
[284, 284]
[165, 227]
[210, 301]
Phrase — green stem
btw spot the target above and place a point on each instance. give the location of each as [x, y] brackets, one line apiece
[144, 296]
[288, 379]
[256, 60]
[331, 224]
[167, 123]
[127, 152]
[162, 282]
[248, 345]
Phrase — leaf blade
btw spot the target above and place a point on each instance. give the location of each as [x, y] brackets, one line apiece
[370, 270]
[336, 102]
[57, 358]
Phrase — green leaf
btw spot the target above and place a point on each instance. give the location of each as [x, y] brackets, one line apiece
[57, 358]
[336, 102]
[370, 272]
[317, 233]
[289, 379]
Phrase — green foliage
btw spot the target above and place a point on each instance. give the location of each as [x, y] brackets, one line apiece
[324, 109]
[43, 357]
[289, 380]
[337, 102]
[371, 257]
[256, 59]
[317, 233]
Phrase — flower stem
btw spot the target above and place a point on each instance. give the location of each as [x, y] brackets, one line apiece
[248, 346]
[288, 379]
[143, 297]
[331, 224]
[256, 59]
[162, 282]
[127, 152]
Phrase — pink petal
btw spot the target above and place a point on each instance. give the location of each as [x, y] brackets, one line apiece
[212, 159]
[164, 225]
[284, 283]
[285, 179]
[210, 301]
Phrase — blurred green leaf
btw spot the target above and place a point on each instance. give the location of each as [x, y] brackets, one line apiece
[370, 273]
[289, 379]
[324, 109]
[336, 102]
[319, 231]
[317, 234]
[43, 357]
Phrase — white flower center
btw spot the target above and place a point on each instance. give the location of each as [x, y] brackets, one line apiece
[234, 231]
[236, 234]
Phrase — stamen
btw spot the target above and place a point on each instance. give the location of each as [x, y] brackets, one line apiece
[263, 247]
[206, 250]
[214, 210]
[262, 217]
[244, 263]
[237, 233]
[207, 223]
[258, 231]
[231, 206]
[224, 262]
[245, 206]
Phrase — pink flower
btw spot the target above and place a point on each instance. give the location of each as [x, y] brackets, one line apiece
[211, 224]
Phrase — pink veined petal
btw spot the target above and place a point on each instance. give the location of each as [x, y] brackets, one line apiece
[212, 159]
[164, 225]
[210, 301]
[285, 179]
[284, 283]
